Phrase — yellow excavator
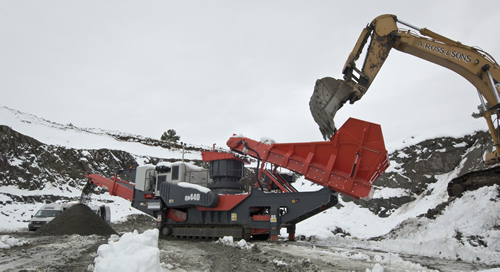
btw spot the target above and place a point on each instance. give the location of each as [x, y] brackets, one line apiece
[472, 63]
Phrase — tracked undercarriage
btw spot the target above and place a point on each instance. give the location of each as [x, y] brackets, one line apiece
[205, 231]
[474, 180]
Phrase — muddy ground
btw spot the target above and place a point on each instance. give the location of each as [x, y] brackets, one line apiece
[77, 253]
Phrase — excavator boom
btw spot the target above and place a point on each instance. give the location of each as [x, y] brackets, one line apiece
[475, 65]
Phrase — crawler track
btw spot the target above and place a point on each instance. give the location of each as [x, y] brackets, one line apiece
[474, 180]
[205, 231]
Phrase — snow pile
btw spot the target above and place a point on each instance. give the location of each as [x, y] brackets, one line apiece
[131, 252]
[229, 241]
[7, 242]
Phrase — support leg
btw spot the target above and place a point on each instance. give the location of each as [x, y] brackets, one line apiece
[291, 232]
[275, 223]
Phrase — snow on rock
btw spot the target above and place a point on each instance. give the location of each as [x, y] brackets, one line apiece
[80, 138]
[449, 130]
[7, 242]
[226, 240]
[229, 241]
[131, 252]
[279, 263]
[390, 192]
[460, 232]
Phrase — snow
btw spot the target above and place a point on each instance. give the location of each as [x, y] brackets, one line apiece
[389, 192]
[394, 167]
[194, 186]
[279, 263]
[132, 252]
[7, 242]
[229, 241]
[80, 138]
[420, 236]
[361, 222]
[267, 140]
[376, 268]
[378, 259]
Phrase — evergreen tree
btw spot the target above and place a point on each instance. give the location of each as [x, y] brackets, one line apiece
[170, 135]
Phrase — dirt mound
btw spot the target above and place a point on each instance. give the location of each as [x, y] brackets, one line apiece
[79, 219]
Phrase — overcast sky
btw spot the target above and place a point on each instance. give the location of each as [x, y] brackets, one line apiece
[209, 69]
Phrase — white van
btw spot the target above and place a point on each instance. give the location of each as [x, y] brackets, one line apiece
[50, 211]
[45, 214]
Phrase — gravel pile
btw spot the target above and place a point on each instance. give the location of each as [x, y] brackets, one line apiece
[79, 219]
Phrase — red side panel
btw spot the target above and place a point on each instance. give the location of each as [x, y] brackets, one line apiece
[226, 203]
[261, 217]
[116, 186]
[176, 215]
[349, 163]
[260, 231]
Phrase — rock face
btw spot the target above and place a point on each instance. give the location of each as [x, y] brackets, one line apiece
[78, 219]
[31, 165]
[414, 167]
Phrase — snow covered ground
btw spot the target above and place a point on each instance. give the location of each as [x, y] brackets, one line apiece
[467, 230]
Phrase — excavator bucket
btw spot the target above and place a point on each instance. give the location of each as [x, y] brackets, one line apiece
[329, 96]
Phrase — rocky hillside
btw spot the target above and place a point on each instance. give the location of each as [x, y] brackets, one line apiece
[29, 164]
[415, 167]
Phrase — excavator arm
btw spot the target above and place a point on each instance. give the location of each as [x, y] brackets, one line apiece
[383, 34]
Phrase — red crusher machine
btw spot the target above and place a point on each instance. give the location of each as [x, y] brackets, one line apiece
[195, 202]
